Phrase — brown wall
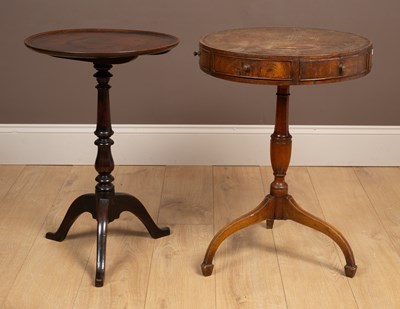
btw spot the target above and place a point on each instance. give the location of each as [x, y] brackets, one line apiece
[171, 89]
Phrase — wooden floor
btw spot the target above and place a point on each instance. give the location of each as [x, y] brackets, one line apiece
[290, 266]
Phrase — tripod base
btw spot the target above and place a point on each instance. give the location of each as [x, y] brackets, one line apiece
[279, 208]
[105, 210]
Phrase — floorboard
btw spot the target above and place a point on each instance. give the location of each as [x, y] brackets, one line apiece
[26, 262]
[290, 266]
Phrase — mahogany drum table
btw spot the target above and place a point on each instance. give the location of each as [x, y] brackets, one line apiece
[283, 57]
[103, 47]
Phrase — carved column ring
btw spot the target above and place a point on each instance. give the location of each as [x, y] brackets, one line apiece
[281, 139]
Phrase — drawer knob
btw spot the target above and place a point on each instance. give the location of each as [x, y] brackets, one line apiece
[341, 69]
[196, 53]
[246, 68]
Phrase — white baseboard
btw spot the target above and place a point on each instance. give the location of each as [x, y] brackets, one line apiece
[200, 145]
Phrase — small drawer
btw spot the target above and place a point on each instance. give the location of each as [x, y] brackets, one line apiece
[251, 68]
[333, 68]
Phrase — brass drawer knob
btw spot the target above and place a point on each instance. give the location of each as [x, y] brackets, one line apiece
[341, 69]
[246, 68]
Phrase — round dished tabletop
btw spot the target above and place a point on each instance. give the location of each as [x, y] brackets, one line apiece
[285, 56]
[101, 45]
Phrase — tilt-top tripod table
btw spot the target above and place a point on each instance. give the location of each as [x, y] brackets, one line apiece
[103, 47]
[283, 57]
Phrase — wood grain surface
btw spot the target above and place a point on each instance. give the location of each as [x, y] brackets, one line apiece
[290, 266]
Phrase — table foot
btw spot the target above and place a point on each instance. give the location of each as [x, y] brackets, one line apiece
[207, 269]
[259, 214]
[350, 270]
[99, 281]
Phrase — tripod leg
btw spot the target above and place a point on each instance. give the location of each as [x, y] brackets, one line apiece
[294, 212]
[84, 203]
[257, 215]
[270, 223]
[126, 202]
[102, 221]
